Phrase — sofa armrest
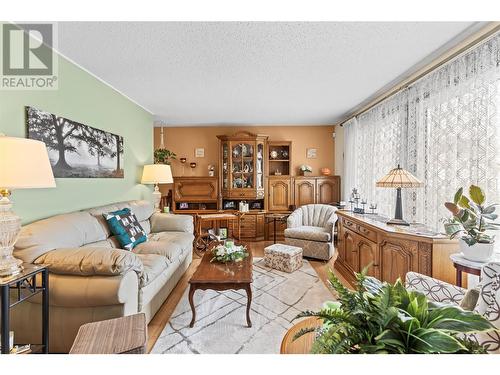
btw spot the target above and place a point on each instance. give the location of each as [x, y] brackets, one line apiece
[171, 223]
[295, 219]
[435, 290]
[90, 261]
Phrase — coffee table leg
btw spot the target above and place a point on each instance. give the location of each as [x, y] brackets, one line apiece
[248, 289]
[192, 289]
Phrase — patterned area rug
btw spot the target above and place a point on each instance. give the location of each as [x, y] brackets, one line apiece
[221, 325]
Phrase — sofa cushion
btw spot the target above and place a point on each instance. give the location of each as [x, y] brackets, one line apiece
[154, 266]
[309, 233]
[169, 244]
[61, 231]
[161, 222]
[141, 208]
[88, 261]
[125, 226]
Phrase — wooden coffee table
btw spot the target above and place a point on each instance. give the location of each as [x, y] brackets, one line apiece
[222, 276]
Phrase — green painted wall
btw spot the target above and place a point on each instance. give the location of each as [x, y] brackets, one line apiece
[83, 98]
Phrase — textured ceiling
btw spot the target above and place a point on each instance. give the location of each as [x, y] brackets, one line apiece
[189, 73]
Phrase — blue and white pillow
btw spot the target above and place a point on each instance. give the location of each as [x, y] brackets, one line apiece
[125, 226]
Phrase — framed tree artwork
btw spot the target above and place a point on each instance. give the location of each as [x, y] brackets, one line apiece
[76, 150]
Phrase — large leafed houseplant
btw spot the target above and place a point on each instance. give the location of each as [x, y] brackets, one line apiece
[387, 318]
[472, 222]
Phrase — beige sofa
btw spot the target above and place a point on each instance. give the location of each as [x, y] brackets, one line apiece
[91, 278]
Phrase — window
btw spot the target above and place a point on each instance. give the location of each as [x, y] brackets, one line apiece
[445, 129]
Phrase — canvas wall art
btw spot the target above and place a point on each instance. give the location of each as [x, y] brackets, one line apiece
[76, 150]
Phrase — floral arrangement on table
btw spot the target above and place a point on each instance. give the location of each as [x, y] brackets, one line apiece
[229, 252]
[304, 168]
[387, 318]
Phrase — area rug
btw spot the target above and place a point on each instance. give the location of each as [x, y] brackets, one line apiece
[220, 316]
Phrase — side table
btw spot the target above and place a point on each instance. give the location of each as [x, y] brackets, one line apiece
[275, 217]
[462, 264]
[124, 335]
[303, 344]
[22, 287]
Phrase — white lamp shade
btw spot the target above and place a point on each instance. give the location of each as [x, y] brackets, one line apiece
[24, 164]
[157, 174]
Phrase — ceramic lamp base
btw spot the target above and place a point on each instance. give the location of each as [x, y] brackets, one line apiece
[10, 226]
[157, 198]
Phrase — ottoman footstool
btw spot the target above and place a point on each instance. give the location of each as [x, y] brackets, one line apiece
[283, 257]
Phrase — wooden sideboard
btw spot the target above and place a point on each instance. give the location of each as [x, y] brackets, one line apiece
[391, 251]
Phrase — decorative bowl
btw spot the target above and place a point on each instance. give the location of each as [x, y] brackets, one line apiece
[325, 171]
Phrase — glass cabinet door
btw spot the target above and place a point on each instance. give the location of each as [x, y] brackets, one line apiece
[225, 166]
[259, 166]
[242, 171]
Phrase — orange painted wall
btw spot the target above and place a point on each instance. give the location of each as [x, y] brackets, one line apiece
[184, 140]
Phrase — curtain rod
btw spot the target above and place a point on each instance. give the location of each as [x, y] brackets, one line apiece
[454, 52]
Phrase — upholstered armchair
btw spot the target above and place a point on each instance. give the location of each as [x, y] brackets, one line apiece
[312, 227]
[488, 303]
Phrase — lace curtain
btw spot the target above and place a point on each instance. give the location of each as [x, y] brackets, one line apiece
[445, 129]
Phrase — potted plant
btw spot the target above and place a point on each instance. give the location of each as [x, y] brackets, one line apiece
[471, 221]
[382, 318]
[305, 169]
[163, 156]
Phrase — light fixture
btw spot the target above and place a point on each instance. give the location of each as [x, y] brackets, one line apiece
[24, 164]
[399, 178]
[157, 174]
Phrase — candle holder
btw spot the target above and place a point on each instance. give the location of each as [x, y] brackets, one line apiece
[183, 162]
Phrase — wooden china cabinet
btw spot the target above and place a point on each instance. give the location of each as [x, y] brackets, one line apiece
[241, 178]
[242, 165]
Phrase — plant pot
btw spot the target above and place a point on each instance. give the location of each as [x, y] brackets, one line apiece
[479, 252]
[306, 173]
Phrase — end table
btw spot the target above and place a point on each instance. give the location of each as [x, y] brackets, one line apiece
[462, 264]
[22, 287]
[273, 218]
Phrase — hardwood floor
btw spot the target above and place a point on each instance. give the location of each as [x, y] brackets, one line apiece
[163, 315]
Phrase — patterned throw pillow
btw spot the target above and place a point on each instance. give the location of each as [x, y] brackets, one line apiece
[125, 226]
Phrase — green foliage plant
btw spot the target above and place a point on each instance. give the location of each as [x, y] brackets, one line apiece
[387, 318]
[472, 217]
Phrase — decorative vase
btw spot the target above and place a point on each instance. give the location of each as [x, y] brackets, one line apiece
[479, 252]
[325, 171]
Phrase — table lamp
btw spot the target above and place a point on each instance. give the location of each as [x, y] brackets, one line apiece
[157, 174]
[24, 164]
[399, 178]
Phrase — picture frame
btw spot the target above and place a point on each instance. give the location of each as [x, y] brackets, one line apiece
[199, 152]
[76, 150]
[222, 233]
[229, 205]
[312, 153]
[183, 205]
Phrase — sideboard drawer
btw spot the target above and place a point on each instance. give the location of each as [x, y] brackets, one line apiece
[248, 222]
[242, 194]
[371, 235]
[349, 224]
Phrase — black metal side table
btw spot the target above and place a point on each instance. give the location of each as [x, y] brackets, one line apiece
[273, 218]
[22, 287]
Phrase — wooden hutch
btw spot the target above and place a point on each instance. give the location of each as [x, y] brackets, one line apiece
[259, 172]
